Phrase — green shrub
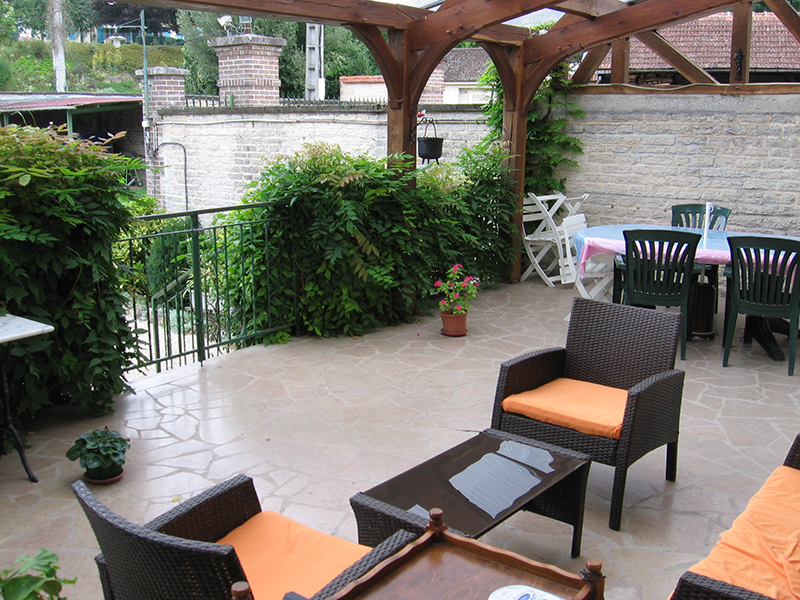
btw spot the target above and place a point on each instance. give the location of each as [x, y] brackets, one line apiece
[130, 57]
[42, 584]
[60, 211]
[164, 56]
[362, 240]
[548, 145]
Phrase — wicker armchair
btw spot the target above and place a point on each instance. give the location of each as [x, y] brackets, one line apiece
[616, 346]
[175, 557]
[692, 586]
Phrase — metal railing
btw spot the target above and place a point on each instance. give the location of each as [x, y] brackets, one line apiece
[197, 290]
[202, 100]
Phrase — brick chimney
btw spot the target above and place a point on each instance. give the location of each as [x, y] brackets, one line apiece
[248, 69]
[434, 88]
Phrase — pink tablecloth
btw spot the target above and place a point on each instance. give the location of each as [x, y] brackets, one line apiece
[609, 239]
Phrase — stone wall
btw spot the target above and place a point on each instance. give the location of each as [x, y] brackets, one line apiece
[227, 148]
[643, 153]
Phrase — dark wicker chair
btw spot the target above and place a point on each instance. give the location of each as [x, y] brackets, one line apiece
[619, 346]
[175, 557]
[692, 586]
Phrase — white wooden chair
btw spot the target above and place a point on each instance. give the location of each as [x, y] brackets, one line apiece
[568, 261]
[541, 239]
[573, 205]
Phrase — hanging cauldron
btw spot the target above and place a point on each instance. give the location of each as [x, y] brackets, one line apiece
[429, 148]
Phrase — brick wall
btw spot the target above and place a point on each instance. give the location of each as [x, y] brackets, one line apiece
[644, 153]
[226, 150]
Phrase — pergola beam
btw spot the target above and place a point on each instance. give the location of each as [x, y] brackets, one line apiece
[694, 73]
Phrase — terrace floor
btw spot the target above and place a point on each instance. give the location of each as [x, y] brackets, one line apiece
[317, 420]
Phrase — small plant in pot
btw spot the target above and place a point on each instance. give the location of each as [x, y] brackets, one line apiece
[458, 289]
[102, 454]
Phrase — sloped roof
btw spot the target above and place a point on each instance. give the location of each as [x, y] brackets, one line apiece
[465, 64]
[707, 42]
[10, 102]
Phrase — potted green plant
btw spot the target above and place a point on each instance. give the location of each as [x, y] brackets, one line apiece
[102, 454]
[458, 289]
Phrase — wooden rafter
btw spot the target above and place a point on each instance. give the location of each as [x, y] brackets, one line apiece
[645, 16]
[787, 15]
[693, 73]
[741, 44]
[590, 63]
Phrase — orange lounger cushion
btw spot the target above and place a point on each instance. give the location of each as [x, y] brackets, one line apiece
[761, 550]
[279, 555]
[586, 407]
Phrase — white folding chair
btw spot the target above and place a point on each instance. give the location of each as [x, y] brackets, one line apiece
[568, 262]
[597, 282]
[573, 205]
[541, 235]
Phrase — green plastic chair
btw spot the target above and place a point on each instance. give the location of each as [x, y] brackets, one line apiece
[765, 282]
[658, 271]
[692, 215]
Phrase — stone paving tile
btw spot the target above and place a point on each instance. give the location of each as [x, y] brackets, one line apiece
[317, 420]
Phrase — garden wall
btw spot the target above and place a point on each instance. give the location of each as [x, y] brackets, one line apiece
[226, 148]
[644, 152]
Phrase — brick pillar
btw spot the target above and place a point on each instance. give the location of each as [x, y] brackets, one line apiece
[166, 86]
[248, 69]
[434, 89]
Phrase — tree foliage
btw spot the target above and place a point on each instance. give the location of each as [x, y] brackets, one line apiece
[60, 211]
[157, 19]
[344, 53]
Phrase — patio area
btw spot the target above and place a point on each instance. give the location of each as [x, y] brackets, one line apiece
[317, 420]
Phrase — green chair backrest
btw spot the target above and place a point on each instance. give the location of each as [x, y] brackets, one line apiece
[766, 274]
[658, 265]
[692, 215]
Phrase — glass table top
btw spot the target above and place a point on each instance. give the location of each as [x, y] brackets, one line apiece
[477, 483]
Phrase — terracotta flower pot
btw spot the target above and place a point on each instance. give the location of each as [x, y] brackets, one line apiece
[454, 325]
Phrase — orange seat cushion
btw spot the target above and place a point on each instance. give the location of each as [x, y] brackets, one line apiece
[761, 550]
[279, 555]
[586, 407]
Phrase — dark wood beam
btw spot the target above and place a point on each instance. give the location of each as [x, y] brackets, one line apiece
[684, 66]
[590, 63]
[652, 14]
[590, 8]
[460, 20]
[741, 44]
[388, 62]
[620, 60]
[319, 11]
[501, 58]
[787, 14]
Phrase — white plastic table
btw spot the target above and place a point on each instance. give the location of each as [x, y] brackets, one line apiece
[14, 328]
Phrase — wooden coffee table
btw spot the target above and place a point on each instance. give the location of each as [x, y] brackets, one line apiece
[441, 565]
[479, 484]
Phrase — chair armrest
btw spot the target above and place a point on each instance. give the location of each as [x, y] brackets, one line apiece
[381, 552]
[793, 457]
[654, 401]
[212, 514]
[692, 586]
[526, 372]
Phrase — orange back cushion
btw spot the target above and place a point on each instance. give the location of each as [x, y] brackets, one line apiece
[586, 407]
[279, 555]
[761, 550]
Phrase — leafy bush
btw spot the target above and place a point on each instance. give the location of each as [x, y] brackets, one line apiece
[548, 145]
[60, 211]
[364, 241]
[19, 584]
